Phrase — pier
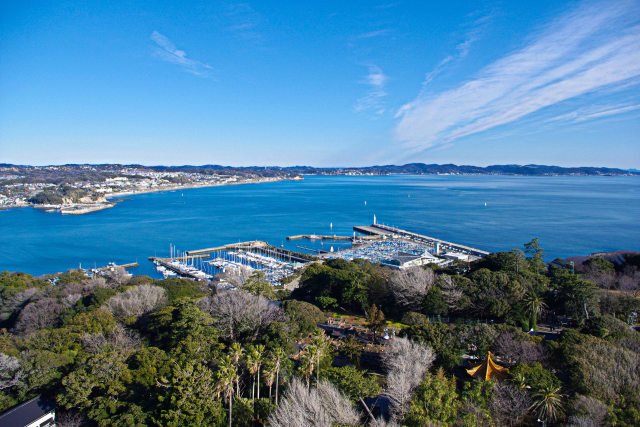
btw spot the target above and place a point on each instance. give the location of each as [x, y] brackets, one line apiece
[182, 269]
[385, 230]
[318, 237]
[333, 237]
[130, 265]
[318, 251]
[234, 258]
[252, 244]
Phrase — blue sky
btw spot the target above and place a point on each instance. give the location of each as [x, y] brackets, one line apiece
[320, 83]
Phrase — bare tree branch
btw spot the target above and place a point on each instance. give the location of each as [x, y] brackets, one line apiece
[136, 301]
[407, 363]
[239, 313]
[323, 406]
[410, 286]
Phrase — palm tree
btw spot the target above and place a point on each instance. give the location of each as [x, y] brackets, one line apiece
[278, 357]
[259, 358]
[254, 361]
[226, 379]
[533, 306]
[269, 373]
[252, 366]
[323, 345]
[547, 402]
[308, 362]
[236, 353]
[520, 381]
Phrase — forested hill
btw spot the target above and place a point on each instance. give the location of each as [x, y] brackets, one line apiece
[435, 169]
[66, 172]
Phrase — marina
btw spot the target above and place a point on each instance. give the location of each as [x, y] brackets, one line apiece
[241, 259]
[398, 248]
[385, 245]
[437, 244]
[449, 208]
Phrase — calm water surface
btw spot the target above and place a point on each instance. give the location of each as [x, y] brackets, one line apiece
[570, 216]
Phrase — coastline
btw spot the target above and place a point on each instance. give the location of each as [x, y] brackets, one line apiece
[189, 186]
[86, 208]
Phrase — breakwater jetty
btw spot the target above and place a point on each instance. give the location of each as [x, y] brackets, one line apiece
[332, 237]
[441, 245]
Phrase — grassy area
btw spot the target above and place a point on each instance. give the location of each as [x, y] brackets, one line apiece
[362, 322]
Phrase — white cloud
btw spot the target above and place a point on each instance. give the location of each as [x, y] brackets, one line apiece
[243, 21]
[372, 34]
[373, 100]
[167, 51]
[461, 50]
[590, 49]
[594, 112]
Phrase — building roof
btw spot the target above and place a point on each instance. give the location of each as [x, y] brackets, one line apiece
[488, 370]
[27, 412]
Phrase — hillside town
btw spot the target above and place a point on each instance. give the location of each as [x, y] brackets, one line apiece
[79, 189]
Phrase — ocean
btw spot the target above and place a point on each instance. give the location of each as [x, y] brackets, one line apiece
[569, 215]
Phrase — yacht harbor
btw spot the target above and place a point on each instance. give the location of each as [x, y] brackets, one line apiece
[381, 244]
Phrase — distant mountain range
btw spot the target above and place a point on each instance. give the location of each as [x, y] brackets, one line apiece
[419, 169]
[410, 168]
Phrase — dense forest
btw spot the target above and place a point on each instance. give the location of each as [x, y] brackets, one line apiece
[136, 351]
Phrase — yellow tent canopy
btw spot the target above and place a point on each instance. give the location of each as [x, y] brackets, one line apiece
[488, 370]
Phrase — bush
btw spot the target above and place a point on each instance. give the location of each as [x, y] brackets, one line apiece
[306, 316]
[179, 288]
[136, 301]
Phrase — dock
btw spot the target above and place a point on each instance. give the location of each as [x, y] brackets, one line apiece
[252, 244]
[319, 237]
[334, 237]
[385, 230]
[130, 265]
[318, 251]
[182, 269]
[112, 266]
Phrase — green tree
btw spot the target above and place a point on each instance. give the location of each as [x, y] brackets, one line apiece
[278, 357]
[352, 348]
[435, 401]
[375, 320]
[236, 352]
[534, 305]
[327, 302]
[254, 361]
[547, 403]
[257, 284]
[443, 339]
[535, 255]
[185, 397]
[578, 297]
[534, 376]
[269, 374]
[226, 380]
[434, 302]
[352, 382]
[304, 315]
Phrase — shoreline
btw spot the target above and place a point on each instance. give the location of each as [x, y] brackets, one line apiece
[86, 208]
[190, 186]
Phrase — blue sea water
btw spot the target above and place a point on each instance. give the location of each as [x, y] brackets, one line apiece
[570, 216]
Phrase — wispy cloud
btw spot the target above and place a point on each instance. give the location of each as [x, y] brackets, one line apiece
[373, 100]
[372, 34]
[590, 49]
[461, 50]
[167, 51]
[595, 112]
[243, 21]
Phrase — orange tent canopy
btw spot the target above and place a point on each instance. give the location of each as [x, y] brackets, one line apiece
[488, 370]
